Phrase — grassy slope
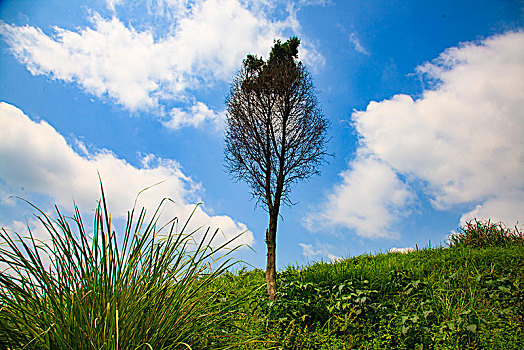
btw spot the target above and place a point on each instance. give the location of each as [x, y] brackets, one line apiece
[91, 297]
[428, 299]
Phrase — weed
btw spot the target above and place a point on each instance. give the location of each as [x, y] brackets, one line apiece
[461, 298]
[481, 234]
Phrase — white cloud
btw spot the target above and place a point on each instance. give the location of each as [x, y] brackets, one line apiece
[368, 200]
[401, 250]
[463, 139]
[508, 209]
[109, 59]
[194, 116]
[353, 39]
[38, 158]
[319, 250]
[311, 56]
[141, 70]
[334, 258]
[39, 233]
[308, 251]
[356, 43]
[111, 4]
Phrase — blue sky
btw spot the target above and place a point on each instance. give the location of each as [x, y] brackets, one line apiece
[425, 100]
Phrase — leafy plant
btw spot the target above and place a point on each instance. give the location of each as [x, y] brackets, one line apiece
[462, 298]
[154, 289]
[481, 234]
[297, 301]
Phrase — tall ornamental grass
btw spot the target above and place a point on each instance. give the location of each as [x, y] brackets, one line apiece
[154, 289]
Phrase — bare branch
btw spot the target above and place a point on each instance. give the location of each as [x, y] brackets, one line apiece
[276, 133]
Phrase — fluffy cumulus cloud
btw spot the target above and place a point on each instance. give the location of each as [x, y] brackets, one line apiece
[33, 225]
[319, 250]
[141, 69]
[40, 160]
[463, 139]
[109, 59]
[195, 115]
[369, 199]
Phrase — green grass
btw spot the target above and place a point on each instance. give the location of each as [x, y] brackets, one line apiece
[158, 288]
[481, 234]
[153, 289]
[443, 298]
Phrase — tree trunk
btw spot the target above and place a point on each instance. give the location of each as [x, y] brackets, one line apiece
[271, 273]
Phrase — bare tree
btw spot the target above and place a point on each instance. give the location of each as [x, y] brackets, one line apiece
[276, 133]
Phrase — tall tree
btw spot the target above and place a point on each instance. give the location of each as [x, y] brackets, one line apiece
[275, 134]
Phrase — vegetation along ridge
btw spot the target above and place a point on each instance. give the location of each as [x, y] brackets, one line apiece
[160, 288]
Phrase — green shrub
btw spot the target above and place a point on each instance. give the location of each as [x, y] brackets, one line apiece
[461, 298]
[481, 234]
[154, 289]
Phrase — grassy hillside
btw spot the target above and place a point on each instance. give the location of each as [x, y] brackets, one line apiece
[152, 287]
[444, 298]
